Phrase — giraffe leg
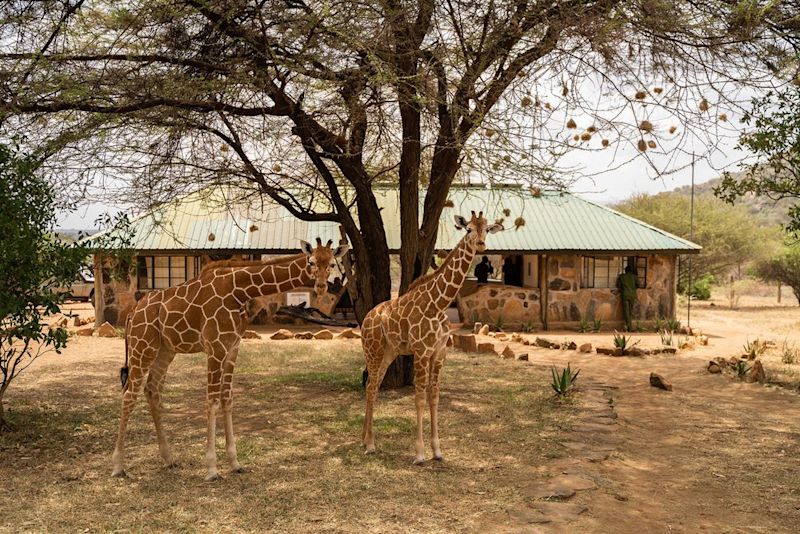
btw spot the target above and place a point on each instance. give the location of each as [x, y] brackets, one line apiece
[227, 410]
[376, 373]
[420, 387]
[139, 363]
[152, 389]
[216, 357]
[433, 403]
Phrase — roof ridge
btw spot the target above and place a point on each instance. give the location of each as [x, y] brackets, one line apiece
[637, 221]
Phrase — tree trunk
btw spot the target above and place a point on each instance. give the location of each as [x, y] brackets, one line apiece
[5, 426]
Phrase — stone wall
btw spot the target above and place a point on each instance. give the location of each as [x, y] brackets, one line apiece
[515, 307]
[568, 303]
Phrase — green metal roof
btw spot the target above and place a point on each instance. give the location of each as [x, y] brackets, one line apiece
[553, 221]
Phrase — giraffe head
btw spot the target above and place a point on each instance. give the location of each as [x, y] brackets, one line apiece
[320, 260]
[477, 228]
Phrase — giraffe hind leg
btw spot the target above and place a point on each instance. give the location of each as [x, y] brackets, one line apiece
[153, 389]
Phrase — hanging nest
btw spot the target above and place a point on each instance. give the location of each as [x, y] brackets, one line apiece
[658, 90]
[276, 168]
[586, 136]
[489, 132]
[506, 212]
[254, 228]
[518, 222]
[723, 117]
[646, 126]
[673, 129]
[449, 204]
[507, 158]
[651, 143]
[604, 142]
[571, 124]
[641, 145]
[224, 148]
[591, 129]
[496, 166]
[704, 105]
[564, 89]
[576, 137]
[211, 237]
[524, 156]
[536, 192]
[640, 95]
[526, 101]
[547, 106]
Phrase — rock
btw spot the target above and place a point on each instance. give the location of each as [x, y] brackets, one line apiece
[484, 331]
[61, 322]
[702, 340]
[323, 334]
[570, 346]
[585, 347]
[516, 338]
[546, 343]
[85, 332]
[714, 368]
[250, 334]
[686, 345]
[526, 341]
[76, 321]
[508, 353]
[669, 350]
[555, 512]
[608, 351]
[476, 328]
[491, 334]
[486, 348]
[635, 351]
[522, 357]
[756, 373]
[106, 330]
[348, 333]
[282, 334]
[304, 335]
[658, 381]
[501, 336]
[466, 342]
[733, 361]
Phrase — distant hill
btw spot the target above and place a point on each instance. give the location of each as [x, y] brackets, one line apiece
[767, 211]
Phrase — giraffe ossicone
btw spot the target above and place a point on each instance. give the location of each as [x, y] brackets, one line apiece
[416, 323]
[206, 314]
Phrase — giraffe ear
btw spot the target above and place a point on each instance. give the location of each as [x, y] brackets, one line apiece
[306, 247]
[497, 227]
[340, 251]
[461, 222]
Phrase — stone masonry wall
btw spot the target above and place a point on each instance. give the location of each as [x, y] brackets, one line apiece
[515, 306]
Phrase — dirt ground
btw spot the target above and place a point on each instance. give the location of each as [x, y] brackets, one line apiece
[714, 455]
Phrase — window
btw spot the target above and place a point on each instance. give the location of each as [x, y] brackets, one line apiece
[601, 272]
[159, 272]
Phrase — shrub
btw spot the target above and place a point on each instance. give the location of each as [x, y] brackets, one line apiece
[564, 382]
[623, 342]
[789, 353]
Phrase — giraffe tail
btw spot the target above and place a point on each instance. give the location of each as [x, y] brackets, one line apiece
[123, 371]
[364, 378]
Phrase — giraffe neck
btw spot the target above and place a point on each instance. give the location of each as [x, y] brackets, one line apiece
[444, 285]
[263, 280]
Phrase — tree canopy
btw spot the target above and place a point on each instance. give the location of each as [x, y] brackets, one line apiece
[783, 268]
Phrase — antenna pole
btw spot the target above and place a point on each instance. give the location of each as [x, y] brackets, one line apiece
[691, 238]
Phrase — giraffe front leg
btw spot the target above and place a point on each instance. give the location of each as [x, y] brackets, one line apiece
[433, 403]
[227, 411]
[213, 402]
[153, 389]
[420, 385]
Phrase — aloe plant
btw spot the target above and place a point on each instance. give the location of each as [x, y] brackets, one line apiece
[623, 342]
[667, 338]
[564, 382]
[499, 322]
[673, 325]
[754, 349]
[584, 326]
[597, 325]
[658, 324]
[741, 369]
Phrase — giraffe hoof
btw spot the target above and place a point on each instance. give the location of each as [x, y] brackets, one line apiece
[214, 477]
[241, 470]
[370, 451]
[439, 458]
[119, 473]
[172, 464]
[419, 461]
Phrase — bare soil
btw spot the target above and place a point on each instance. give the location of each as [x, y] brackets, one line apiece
[714, 454]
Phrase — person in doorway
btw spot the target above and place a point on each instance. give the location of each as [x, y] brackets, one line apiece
[509, 271]
[628, 283]
[483, 270]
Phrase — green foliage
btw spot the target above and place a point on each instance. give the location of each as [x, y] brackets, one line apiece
[775, 139]
[564, 382]
[673, 325]
[667, 337]
[528, 327]
[35, 267]
[784, 269]
[701, 288]
[597, 325]
[499, 322]
[584, 326]
[658, 324]
[741, 369]
[789, 353]
[623, 342]
[727, 233]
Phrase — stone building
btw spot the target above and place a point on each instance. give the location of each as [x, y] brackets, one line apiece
[555, 265]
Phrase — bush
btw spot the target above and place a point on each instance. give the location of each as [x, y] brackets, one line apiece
[701, 289]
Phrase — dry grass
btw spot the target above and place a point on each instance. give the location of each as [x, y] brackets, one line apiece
[298, 415]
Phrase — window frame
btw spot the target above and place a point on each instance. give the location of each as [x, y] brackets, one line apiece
[175, 265]
[589, 274]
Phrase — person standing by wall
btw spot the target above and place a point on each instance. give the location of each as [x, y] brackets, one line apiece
[628, 283]
[483, 270]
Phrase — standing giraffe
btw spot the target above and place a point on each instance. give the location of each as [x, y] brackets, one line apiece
[206, 314]
[416, 322]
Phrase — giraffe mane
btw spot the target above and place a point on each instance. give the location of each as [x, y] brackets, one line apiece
[226, 264]
[447, 261]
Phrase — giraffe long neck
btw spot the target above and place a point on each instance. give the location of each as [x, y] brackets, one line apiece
[263, 280]
[448, 279]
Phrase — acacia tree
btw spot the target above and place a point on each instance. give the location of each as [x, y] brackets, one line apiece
[36, 268]
[784, 269]
[314, 103]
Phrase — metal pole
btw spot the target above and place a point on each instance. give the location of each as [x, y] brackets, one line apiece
[691, 238]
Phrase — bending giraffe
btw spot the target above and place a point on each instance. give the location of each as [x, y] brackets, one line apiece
[206, 314]
[416, 322]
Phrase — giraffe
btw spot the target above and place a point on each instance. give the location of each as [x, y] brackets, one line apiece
[416, 322]
[206, 314]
